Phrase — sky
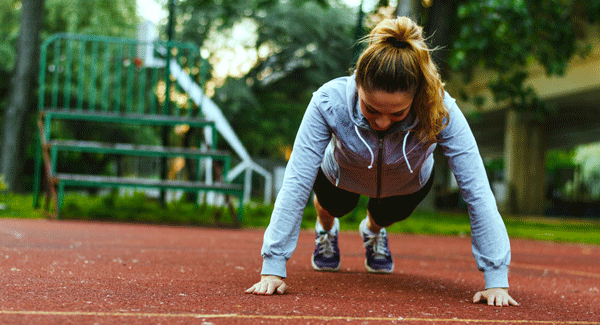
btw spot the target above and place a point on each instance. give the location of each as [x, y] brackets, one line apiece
[151, 10]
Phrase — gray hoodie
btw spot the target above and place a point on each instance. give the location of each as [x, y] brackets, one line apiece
[335, 136]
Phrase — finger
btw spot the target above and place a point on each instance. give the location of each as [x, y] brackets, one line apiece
[270, 288]
[499, 301]
[262, 288]
[513, 302]
[477, 297]
[251, 289]
[282, 288]
[491, 299]
[254, 288]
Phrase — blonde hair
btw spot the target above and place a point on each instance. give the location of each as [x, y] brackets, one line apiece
[397, 59]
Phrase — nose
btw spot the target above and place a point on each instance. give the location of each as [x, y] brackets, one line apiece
[382, 122]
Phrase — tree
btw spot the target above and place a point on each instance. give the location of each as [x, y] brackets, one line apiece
[20, 102]
[293, 47]
[505, 37]
[9, 17]
[300, 46]
[441, 18]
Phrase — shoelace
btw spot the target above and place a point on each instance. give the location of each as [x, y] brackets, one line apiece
[325, 242]
[377, 242]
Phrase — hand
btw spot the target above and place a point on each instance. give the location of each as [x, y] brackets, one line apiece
[268, 285]
[495, 296]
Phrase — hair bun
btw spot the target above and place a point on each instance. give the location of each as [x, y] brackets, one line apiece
[397, 43]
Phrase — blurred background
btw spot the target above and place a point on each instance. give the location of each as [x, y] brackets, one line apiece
[525, 73]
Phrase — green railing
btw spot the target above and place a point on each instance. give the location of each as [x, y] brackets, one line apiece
[109, 74]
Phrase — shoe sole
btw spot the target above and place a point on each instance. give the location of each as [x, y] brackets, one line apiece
[323, 269]
[372, 270]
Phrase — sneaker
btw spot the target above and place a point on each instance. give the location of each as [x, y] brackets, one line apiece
[379, 257]
[326, 256]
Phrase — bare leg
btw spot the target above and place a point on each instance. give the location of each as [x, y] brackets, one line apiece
[325, 219]
[372, 225]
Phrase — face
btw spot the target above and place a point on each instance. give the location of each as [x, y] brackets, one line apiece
[382, 109]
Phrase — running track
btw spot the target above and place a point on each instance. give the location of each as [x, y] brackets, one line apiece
[61, 272]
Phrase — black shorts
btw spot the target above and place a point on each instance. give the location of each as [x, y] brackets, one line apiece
[384, 211]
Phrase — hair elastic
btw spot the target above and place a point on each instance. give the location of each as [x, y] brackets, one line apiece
[398, 43]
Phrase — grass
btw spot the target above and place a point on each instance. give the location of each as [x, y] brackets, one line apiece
[140, 209]
[553, 229]
[17, 206]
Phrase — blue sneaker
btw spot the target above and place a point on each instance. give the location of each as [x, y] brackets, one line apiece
[379, 257]
[326, 256]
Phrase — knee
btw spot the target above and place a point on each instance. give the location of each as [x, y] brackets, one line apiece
[336, 209]
[386, 216]
[381, 222]
[320, 211]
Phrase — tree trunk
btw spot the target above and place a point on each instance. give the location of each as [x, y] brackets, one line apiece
[441, 17]
[21, 99]
[525, 152]
[409, 8]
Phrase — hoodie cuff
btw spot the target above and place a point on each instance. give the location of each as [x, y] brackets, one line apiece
[274, 265]
[496, 277]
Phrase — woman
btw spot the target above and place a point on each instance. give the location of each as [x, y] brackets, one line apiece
[373, 134]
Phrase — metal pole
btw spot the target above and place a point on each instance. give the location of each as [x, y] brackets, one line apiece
[170, 30]
[167, 104]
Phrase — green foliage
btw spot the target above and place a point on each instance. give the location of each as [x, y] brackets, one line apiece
[98, 17]
[494, 165]
[199, 17]
[589, 9]
[310, 37]
[3, 185]
[268, 128]
[506, 36]
[17, 206]
[140, 209]
[308, 43]
[9, 18]
[113, 18]
[560, 159]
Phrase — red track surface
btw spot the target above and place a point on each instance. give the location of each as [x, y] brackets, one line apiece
[83, 273]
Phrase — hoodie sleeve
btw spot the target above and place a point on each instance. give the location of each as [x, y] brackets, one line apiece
[281, 236]
[489, 239]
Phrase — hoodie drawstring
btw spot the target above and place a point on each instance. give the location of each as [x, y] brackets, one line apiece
[373, 155]
[367, 145]
[404, 152]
